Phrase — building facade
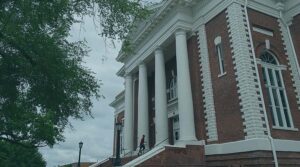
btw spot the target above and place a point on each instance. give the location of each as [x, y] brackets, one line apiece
[220, 77]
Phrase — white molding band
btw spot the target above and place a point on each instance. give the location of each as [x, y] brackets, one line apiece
[246, 76]
[292, 62]
[255, 144]
[209, 105]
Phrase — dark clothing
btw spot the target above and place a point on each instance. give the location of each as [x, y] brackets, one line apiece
[142, 144]
[142, 141]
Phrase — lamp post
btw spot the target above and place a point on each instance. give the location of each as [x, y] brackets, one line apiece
[117, 161]
[80, 146]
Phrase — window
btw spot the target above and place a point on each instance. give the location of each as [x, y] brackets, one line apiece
[172, 88]
[277, 98]
[220, 54]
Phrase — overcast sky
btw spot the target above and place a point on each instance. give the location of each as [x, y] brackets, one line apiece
[96, 134]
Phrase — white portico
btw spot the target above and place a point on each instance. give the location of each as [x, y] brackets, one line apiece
[150, 54]
[184, 98]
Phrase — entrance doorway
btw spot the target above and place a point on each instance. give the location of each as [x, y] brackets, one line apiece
[176, 133]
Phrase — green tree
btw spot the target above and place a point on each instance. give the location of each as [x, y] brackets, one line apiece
[42, 80]
[15, 155]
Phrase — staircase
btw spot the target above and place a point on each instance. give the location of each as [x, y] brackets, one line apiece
[145, 157]
[190, 155]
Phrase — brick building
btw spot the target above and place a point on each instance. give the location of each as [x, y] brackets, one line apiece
[213, 83]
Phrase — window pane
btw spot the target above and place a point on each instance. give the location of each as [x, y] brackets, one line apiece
[275, 97]
[282, 98]
[264, 75]
[268, 58]
[272, 114]
[269, 97]
[278, 78]
[271, 77]
[288, 122]
[279, 116]
[222, 57]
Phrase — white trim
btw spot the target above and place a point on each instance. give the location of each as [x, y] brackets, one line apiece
[285, 128]
[221, 75]
[291, 12]
[145, 157]
[208, 11]
[218, 40]
[292, 60]
[264, 6]
[255, 144]
[220, 54]
[244, 66]
[263, 31]
[209, 106]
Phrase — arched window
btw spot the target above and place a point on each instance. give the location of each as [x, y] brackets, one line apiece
[277, 98]
[172, 89]
[220, 54]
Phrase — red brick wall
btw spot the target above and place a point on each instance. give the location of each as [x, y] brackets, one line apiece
[295, 32]
[172, 156]
[228, 114]
[196, 86]
[255, 159]
[277, 47]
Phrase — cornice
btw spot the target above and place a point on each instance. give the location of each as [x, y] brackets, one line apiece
[146, 27]
[118, 99]
[121, 72]
[291, 12]
[155, 41]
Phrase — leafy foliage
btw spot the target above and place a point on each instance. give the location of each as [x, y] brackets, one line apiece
[42, 80]
[14, 155]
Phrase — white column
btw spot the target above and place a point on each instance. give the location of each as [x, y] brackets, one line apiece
[161, 115]
[128, 127]
[185, 101]
[143, 118]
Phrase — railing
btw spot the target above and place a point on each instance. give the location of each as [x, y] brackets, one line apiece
[154, 146]
[99, 163]
[129, 154]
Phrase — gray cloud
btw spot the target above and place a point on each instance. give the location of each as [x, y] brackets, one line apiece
[97, 133]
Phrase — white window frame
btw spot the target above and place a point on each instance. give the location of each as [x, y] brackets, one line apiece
[269, 70]
[220, 54]
[172, 89]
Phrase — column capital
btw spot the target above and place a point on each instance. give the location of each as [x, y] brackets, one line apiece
[128, 75]
[142, 64]
[180, 31]
[158, 50]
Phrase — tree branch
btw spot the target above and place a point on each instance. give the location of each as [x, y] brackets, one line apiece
[18, 47]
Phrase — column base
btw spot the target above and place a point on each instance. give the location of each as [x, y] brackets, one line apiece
[183, 143]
